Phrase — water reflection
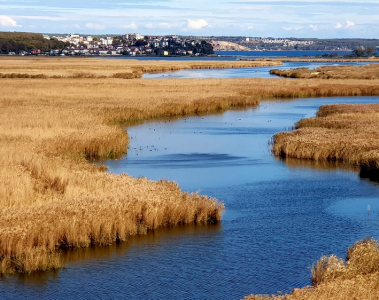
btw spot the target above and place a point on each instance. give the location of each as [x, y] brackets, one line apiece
[295, 163]
[369, 174]
[153, 238]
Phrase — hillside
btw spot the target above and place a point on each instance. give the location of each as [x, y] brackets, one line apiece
[21, 41]
[228, 46]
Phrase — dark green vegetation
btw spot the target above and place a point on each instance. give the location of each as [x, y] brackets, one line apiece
[201, 47]
[22, 41]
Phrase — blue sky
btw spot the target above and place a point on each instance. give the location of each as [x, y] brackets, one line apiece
[276, 18]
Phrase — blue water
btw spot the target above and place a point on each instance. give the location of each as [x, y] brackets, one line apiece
[273, 54]
[263, 72]
[233, 55]
[280, 217]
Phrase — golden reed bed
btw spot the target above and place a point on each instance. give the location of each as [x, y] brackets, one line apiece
[347, 133]
[65, 67]
[51, 197]
[332, 72]
[357, 277]
[314, 59]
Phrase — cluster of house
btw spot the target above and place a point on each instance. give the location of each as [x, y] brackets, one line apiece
[129, 44]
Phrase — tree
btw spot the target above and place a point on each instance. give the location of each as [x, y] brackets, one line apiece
[359, 52]
[140, 43]
[95, 39]
[4, 49]
[370, 51]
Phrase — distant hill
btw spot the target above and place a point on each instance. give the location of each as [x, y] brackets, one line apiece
[228, 46]
[22, 41]
[291, 43]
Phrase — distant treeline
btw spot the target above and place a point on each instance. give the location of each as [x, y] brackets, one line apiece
[322, 44]
[23, 41]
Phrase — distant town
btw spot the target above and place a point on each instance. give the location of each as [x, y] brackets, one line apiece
[132, 44]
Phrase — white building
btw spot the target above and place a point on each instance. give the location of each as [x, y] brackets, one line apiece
[132, 36]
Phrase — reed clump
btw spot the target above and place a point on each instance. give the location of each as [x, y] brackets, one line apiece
[357, 277]
[346, 133]
[328, 59]
[332, 72]
[20, 75]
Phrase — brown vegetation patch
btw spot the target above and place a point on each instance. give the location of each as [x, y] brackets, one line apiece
[332, 72]
[335, 278]
[328, 59]
[66, 67]
[345, 133]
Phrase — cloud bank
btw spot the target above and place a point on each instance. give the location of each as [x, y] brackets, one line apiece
[6, 21]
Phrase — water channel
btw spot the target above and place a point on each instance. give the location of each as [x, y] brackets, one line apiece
[280, 216]
[263, 72]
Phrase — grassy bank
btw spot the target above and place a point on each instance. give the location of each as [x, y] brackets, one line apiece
[332, 72]
[66, 67]
[52, 198]
[346, 133]
[314, 59]
[357, 277]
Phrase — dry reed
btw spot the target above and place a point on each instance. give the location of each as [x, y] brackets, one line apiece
[50, 197]
[335, 278]
[321, 59]
[344, 133]
[31, 67]
[332, 72]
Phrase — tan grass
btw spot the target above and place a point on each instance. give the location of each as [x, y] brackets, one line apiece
[344, 133]
[335, 278]
[50, 197]
[332, 72]
[66, 67]
[321, 59]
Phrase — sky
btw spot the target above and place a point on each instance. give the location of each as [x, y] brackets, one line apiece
[253, 18]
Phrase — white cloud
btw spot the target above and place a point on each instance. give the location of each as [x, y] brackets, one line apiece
[250, 27]
[95, 26]
[8, 22]
[349, 24]
[314, 27]
[46, 18]
[197, 24]
[77, 26]
[165, 25]
[150, 26]
[293, 28]
[132, 26]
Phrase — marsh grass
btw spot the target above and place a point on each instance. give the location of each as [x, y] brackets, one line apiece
[332, 72]
[346, 133]
[58, 68]
[52, 198]
[357, 277]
